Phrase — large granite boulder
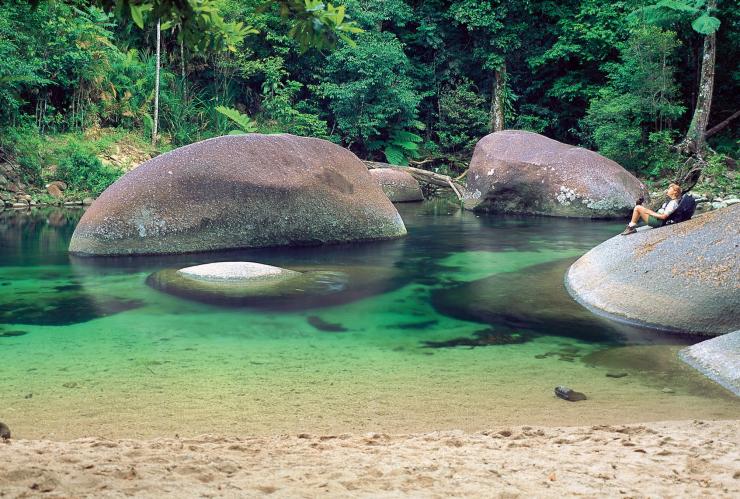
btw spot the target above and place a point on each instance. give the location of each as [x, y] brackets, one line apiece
[238, 191]
[523, 172]
[681, 277]
[398, 185]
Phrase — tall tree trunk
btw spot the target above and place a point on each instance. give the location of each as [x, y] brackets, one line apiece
[156, 88]
[695, 140]
[497, 99]
[694, 145]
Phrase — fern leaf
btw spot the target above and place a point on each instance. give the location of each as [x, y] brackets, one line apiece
[705, 24]
[394, 155]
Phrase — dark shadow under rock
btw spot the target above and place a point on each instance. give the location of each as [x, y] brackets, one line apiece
[534, 299]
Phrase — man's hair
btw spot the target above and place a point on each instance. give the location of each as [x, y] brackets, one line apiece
[676, 186]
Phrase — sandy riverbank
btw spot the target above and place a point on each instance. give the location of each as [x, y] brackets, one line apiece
[677, 459]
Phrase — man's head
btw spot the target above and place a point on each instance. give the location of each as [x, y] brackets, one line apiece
[674, 191]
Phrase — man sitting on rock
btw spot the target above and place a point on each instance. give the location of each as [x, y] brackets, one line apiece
[650, 217]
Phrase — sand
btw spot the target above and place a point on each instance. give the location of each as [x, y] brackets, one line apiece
[663, 459]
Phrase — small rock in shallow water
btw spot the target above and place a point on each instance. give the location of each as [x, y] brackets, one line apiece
[4, 432]
[71, 384]
[328, 327]
[667, 390]
[11, 334]
[616, 375]
[566, 393]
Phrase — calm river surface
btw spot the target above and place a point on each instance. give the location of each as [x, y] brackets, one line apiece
[463, 324]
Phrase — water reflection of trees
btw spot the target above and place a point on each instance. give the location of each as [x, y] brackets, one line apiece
[36, 236]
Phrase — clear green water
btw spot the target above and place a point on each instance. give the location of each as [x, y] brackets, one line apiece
[462, 324]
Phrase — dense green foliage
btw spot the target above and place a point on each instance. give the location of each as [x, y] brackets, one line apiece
[85, 171]
[415, 81]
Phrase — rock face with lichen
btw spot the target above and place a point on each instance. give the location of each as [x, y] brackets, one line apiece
[515, 171]
[681, 277]
[239, 191]
[398, 185]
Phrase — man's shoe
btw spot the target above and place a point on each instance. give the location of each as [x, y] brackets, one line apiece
[629, 230]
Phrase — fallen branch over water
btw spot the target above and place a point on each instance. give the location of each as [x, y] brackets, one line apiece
[425, 176]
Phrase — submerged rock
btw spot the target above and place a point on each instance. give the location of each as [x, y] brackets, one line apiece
[718, 359]
[244, 282]
[327, 327]
[238, 191]
[398, 185]
[514, 171]
[482, 338]
[256, 285]
[681, 278]
[12, 334]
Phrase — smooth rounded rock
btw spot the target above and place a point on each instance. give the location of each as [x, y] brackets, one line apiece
[238, 191]
[236, 272]
[249, 284]
[514, 171]
[681, 278]
[718, 359]
[398, 185]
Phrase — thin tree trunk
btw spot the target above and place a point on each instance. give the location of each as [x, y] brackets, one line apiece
[695, 140]
[497, 99]
[182, 68]
[156, 88]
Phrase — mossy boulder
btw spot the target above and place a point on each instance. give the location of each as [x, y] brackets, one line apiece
[239, 191]
[514, 171]
[398, 185]
[681, 278]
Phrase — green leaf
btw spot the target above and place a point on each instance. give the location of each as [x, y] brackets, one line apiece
[244, 122]
[706, 24]
[403, 136]
[394, 155]
[137, 14]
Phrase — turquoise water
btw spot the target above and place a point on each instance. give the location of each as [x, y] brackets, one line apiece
[463, 324]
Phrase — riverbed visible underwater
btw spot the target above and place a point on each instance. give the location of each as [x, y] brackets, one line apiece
[463, 324]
